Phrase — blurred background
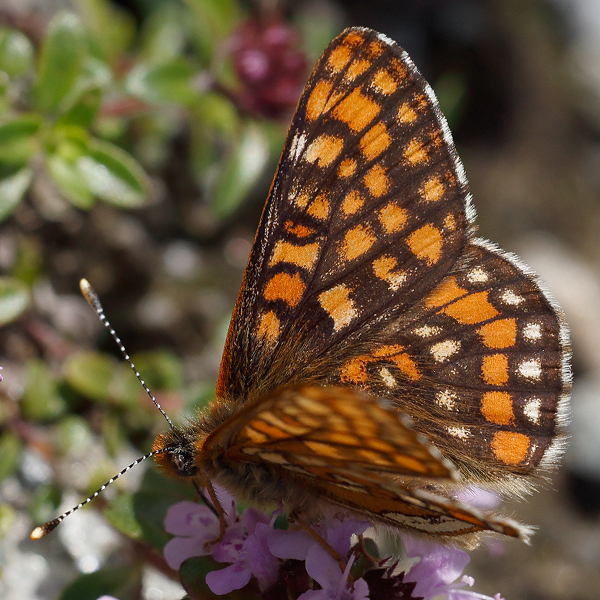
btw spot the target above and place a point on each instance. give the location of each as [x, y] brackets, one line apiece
[138, 140]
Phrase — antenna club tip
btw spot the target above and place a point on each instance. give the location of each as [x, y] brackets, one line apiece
[38, 533]
[85, 287]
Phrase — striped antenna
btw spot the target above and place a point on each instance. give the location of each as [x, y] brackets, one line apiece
[46, 528]
[92, 298]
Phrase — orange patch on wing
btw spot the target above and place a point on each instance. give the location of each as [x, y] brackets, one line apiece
[357, 241]
[320, 100]
[383, 268]
[324, 149]
[510, 447]
[337, 303]
[499, 334]
[357, 68]
[354, 38]
[347, 168]
[268, 327]
[445, 292]
[301, 256]
[432, 190]
[384, 82]
[497, 407]
[339, 58]
[375, 49]
[449, 222]
[300, 231]
[473, 308]
[352, 203]
[283, 286]
[377, 181]
[392, 217]
[319, 209]
[375, 141]
[406, 365]
[494, 369]
[406, 114]
[355, 370]
[302, 200]
[356, 110]
[415, 152]
[426, 243]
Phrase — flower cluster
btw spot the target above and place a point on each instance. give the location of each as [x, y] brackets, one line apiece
[273, 561]
[270, 68]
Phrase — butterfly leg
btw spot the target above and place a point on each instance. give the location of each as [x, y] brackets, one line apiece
[294, 518]
[218, 508]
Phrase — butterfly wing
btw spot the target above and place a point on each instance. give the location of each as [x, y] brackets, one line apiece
[355, 451]
[366, 215]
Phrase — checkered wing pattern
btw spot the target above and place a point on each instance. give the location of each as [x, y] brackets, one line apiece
[366, 214]
[365, 274]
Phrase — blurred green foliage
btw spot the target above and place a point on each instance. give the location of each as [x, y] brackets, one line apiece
[91, 105]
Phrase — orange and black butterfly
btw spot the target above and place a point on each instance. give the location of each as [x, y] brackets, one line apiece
[380, 357]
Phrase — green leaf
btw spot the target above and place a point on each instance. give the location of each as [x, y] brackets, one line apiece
[241, 172]
[12, 190]
[10, 451]
[14, 298]
[119, 582]
[18, 141]
[109, 27]
[162, 370]
[171, 82]
[163, 34]
[69, 180]
[211, 22]
[62, 55]
[85, 97]
[113, 175]
[16, 52]
[90, 373]
[41, 400]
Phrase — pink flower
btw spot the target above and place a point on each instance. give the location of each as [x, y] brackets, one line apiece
[437, 571]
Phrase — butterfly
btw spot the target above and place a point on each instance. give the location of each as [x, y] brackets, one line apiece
[380, 357]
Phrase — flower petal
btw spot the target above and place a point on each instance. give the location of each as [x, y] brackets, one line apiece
[339, 537]
[289, 544]
[179, 549]
[191, 519]
[323, 568]
[438, 568]
[233, 577]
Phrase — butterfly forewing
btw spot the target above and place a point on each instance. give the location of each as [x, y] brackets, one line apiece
[321, 430]
[367, 212]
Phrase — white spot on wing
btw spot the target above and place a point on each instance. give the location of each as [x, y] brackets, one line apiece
[530, 369]
[509, 297]
[532, 332]
[443, 350]
[462, 433]
[387, 377]
[446, 399]
[427, 331]
[477, 275]
[532, 410]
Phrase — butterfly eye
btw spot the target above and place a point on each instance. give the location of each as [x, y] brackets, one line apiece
[182, 463]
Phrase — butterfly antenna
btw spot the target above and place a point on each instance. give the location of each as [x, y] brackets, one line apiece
[94, 301]
[46, 528]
